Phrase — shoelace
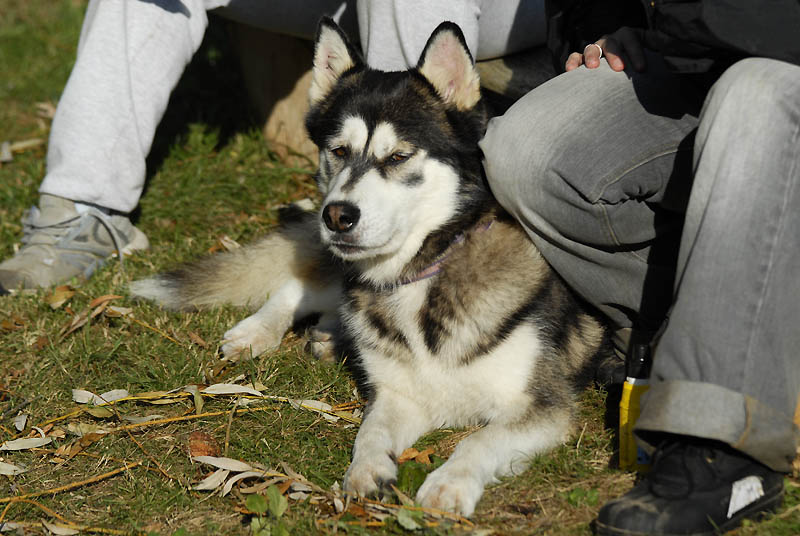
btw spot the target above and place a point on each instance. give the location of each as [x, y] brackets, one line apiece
[62, 229]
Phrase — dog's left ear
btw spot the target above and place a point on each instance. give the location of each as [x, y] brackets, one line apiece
[447, 64]
[333, 55]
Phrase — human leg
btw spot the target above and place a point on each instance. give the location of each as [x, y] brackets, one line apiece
[725, 384]
[726, 367]
[587, 163]
[393, 33]
[130, 57]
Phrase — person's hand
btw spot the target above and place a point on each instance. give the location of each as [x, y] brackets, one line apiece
[624, 44]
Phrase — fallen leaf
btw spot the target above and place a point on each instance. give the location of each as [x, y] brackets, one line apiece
[82, 396]
[424, 456]
[197, 339]
[59, 296]
[138, 420]
[115, 311]
[25, 443]
[103, 299]
[13, 323]
[20, 421]
[60, 530]
[230, 389]
[247, 474]
[213, 481]
[408, 454]
[41, 342]
[202, 444]
[9, 469]
[77, 322]
[82, 428]
[322, 408]
[224, 463]
[99, 412]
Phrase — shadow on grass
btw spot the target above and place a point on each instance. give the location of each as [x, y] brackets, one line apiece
[211, 92]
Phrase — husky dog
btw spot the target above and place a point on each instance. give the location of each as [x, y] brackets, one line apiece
[453, 315]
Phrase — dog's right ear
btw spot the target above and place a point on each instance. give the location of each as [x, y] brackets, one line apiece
[333, 55]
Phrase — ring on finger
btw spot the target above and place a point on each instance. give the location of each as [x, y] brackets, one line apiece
[593, 45]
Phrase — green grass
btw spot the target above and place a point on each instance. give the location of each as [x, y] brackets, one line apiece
[210, 174]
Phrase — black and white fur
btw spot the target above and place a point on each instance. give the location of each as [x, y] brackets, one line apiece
[453, 316]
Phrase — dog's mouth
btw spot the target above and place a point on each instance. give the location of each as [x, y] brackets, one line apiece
[345, 249]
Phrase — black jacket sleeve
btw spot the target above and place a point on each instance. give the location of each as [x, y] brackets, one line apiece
[705, 35]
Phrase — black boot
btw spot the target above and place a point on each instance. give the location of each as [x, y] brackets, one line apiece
[695, 487]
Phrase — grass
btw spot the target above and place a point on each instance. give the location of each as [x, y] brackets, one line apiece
[210, 174]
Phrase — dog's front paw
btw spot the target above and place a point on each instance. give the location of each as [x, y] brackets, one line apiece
[371, 476]
[322, 345]
[249, 338]
[451, 491]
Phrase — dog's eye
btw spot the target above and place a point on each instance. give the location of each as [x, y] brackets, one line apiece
[399, 157]
[339, 152]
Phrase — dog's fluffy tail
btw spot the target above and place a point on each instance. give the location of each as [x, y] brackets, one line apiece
[244, 277]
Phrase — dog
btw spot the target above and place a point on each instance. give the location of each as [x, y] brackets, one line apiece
[452, 315]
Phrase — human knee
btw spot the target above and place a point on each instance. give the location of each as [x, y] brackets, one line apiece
[756, 86]
[518, 164]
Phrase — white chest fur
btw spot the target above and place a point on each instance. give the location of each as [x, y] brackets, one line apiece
[489, 387]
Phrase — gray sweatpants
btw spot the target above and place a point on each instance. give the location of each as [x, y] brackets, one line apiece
[650, 201]
[133, 52]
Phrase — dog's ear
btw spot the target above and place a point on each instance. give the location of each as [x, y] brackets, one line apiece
[333, 55]
[447, 64]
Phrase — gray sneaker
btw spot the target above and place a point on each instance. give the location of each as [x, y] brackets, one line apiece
[60, 243]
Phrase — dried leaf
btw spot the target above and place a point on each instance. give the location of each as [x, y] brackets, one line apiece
[20, 421]
[167, 398]
[338, 505]
[408, 454]
[13, 323]
[224, 463]
[60, 530]
[230, 389]
[424, 456]
[77, 322]
[202, 444]
[25, 443]
[247, 474]
[99, 412]
[9, 469]
[81, 429]
[59, 296]
[87, 397]
[41, 342]
[322, 408]
[198, 402]
[103, 299]
[213, 481]
[115, 311]
[138, 420]
[197, 339]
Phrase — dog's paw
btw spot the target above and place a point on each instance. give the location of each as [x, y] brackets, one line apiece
[451, 491]
[249, 338]
[371, 476]
[322, 344]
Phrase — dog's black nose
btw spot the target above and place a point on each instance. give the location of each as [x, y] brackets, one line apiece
[341, 217]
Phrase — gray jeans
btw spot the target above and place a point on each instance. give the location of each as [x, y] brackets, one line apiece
[653, 201]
